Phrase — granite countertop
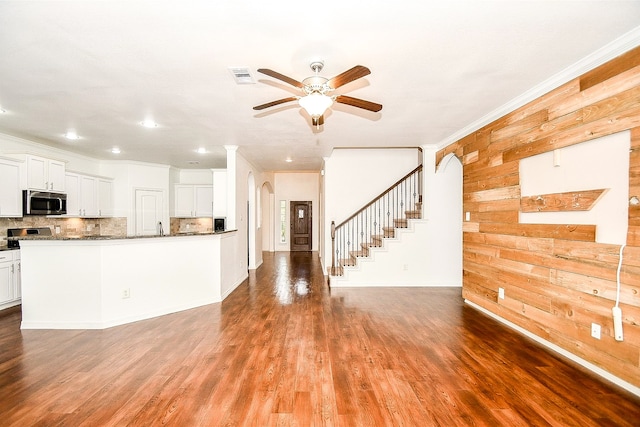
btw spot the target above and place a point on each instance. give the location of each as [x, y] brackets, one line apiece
[36, 237]
[6, 248]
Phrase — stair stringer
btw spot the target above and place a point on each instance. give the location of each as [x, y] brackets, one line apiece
[385, 265]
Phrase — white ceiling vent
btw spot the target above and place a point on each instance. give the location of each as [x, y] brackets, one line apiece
[242, 75]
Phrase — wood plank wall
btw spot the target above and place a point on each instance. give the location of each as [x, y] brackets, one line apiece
[557, 280]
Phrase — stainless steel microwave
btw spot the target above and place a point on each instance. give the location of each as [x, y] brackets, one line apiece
[43, 203]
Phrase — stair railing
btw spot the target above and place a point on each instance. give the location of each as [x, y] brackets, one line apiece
[364, 229]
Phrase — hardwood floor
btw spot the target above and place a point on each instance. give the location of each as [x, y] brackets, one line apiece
[284, 349]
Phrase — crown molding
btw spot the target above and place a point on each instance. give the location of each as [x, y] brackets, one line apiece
[616, 48]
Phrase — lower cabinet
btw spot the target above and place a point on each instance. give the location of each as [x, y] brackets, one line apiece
[10, 289]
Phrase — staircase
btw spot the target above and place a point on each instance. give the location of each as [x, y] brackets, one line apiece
[376, 221]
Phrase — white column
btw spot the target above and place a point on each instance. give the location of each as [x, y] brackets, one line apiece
[428, 175]
[231, 186]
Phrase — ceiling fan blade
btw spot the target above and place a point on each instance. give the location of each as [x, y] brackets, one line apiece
[360, 103]
[272, 103]
[279, 76]
[348, 76]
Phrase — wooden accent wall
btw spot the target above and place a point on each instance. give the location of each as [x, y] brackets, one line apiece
[557, 280]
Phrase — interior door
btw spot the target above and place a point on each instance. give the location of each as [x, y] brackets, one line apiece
[300, 226]
[148, 212]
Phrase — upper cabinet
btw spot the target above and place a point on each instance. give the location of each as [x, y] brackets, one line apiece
[105, 197]
[88, 196]
[193, 201]
[45, 174]
[10, 191]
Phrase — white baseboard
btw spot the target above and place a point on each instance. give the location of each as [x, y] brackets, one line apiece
[234, 286]
[110, 323]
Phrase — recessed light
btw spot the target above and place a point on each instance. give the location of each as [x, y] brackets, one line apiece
[288, 160]
[2, 110]
[201, 150]
[149, 124]
[115, 150]
[71, 135]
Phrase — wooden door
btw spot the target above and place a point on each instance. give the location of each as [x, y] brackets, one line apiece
[300, 226]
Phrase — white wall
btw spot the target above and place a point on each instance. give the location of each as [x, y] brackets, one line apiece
[591, 165]
[196, 176]
[267, 200]
[243, 169]
[429, 252]
[297, 186]
[353, 177]
[442, 209]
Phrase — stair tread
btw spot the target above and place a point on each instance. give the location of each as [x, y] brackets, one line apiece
[371, 245]
[358, 254]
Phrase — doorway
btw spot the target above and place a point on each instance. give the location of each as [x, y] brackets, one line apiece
[301, 222]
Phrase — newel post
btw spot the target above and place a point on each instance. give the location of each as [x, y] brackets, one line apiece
[333, 248]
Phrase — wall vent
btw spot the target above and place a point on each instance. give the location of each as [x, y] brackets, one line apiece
[242, 75]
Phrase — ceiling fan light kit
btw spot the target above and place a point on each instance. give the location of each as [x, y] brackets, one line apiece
[315, 100]
[315, 103]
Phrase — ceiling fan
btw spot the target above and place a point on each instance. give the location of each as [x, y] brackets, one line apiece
[315, 99]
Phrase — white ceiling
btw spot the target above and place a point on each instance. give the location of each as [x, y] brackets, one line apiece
[101, 67]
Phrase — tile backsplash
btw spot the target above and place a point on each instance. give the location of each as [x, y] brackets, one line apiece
[191, 225]
[66, 226]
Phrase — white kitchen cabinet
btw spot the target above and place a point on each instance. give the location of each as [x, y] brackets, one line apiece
[193, 201]
[6, 278]
[45, 174]
[105, 197]
[17, 275]
[72, 184]
[10, 291]
[10, 192]
[88, 196]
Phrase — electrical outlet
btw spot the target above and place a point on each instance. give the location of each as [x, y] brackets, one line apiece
[405, 267]
[595, 330]
[501, 293]
[126, 293]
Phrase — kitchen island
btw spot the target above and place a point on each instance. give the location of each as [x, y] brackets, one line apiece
[99, 282]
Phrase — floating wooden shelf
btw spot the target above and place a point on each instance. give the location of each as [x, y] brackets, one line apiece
[562, 202]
